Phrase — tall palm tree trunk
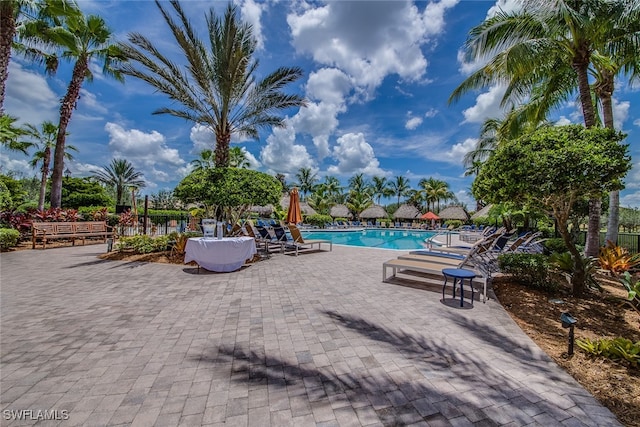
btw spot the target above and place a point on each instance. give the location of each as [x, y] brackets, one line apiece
[223, 139]
[580, 65]
[604, 91]
[66, 110]
[7, 31]
[43, 180]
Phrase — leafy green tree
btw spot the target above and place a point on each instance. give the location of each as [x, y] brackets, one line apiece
[164, 200]
[358, 201]
[307, 179]
[218, 87]
[205, 161]
[400, 187]
[543, 52]
[79, 39]
[227, 193]
[14, 195]
[122, 176]
[555, 168]
[79, 192]
[45, 138]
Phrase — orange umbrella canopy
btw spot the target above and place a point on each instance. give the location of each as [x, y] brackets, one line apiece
[294, 214]
[430, 215]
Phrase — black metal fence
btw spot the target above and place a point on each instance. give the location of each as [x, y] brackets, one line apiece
[629, 241]
[156, 225]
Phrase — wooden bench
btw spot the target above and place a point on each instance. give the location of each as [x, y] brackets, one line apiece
[45, 231]
[431, 268]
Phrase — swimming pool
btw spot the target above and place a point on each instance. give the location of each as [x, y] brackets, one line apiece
[373, 238]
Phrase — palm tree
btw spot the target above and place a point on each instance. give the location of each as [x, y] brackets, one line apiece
[381, 188]
[122, 176]
[218, 87]
[46, 137]
[11, 135]
[81, 39]
[537, 46]
[332, 187]
[205, 161]
[238, 158]
[358, 201]
[306, 180]
[358, 184]
[400, 187]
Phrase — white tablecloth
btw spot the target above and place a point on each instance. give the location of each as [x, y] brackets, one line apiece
[223, 255]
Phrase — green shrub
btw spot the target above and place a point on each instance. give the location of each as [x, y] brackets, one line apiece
[318, 220]
[456, 223]
[615, 349]
[8, 237]
[555, 245]
[528, 269]
[143, 244]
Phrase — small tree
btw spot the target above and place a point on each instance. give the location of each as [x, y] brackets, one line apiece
[553, 168]
[227, 193]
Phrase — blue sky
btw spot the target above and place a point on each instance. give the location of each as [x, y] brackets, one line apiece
[377, 75]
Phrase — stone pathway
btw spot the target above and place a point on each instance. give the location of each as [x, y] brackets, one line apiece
[311, 340]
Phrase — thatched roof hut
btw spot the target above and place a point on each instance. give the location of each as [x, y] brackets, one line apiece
[340, 211]
[454, 212]
[263, 211]
[373, 212]
[482, 213]
[306, 209]
[406, 212]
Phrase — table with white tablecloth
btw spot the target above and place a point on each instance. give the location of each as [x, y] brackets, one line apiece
[222, 255]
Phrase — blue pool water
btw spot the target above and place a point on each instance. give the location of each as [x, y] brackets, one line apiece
[373, 238]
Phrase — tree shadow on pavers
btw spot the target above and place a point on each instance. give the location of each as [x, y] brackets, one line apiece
[396, 402]
[411, 344]
[495, 381]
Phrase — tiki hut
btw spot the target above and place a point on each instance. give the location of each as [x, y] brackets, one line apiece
[373, 212]
[406, 212]
[454, 212]
[263, 211]
[482, 213]
[340, 211]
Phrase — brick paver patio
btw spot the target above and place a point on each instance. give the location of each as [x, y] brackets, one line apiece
[311, 340]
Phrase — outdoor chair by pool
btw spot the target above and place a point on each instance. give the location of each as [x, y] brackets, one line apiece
[298, 242]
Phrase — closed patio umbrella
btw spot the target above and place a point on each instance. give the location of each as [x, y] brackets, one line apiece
[294, 214]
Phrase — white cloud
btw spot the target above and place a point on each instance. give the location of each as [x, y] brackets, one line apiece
[413, 123]
[147, 152]
[26, 89]
[329, 87]
[431, 112]
[636, 122]
[487, 106]
[457, 152]
[354, 156]
[368, 40]
[563, 121]
[21, 166]
[203, 138]
[282, 154]
[505, 6]
[620, 112]
[251, 12]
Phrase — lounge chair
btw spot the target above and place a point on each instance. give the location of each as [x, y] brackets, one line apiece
[298, 241]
